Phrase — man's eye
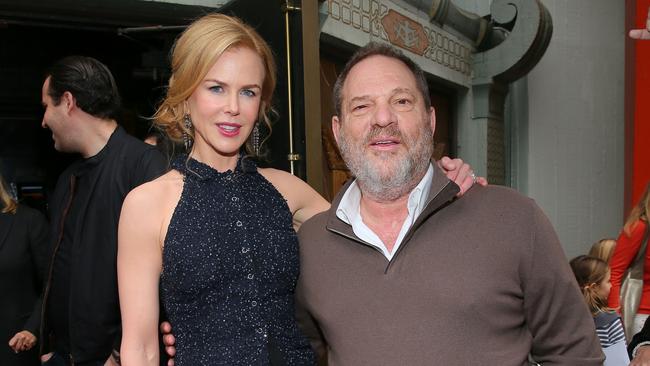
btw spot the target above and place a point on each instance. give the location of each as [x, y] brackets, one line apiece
[403, 104]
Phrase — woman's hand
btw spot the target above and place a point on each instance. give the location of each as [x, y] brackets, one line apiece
[22, 341]
[460, 173]
[642, 357]
[642, 33]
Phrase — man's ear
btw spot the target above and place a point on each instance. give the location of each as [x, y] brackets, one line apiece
[432, 117]
[336, 126]
[69, 101]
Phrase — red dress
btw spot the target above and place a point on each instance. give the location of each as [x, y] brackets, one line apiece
[624, 253]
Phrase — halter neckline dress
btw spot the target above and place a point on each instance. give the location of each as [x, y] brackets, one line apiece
[230, 266]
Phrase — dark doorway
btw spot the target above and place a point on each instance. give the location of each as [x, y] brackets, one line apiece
[27, 155]
[35, 34]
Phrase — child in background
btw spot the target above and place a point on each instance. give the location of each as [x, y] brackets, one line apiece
[593, 277]
[603, 249]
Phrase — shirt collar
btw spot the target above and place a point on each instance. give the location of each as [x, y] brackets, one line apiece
[348, 209]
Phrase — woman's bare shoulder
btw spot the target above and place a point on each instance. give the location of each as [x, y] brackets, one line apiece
[158, 192]
[286, 183]
[302, 199]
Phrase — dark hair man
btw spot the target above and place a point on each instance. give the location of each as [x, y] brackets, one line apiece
[81, 306]
[400, 272]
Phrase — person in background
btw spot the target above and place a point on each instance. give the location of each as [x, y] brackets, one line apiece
[23, 252]
[157, 138]
[642, 33]
[640, 344]
[81, 304]
[635, 232]
[593, 277]
[603, 249]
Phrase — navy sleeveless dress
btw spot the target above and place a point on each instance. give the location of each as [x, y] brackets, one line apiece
[230, 266]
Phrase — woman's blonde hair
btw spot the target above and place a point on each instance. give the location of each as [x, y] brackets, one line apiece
[589, 272]
[194, 53]
[603, 249]
[639, 212]
[9, 205]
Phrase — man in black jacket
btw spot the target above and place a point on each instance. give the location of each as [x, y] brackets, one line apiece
[81, 307]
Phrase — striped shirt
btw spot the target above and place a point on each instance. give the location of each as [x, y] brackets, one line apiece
[612, 338]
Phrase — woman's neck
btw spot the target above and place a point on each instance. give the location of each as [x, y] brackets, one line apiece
[215, 160]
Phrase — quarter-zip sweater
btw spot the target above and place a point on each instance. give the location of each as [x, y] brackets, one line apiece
[480, 279]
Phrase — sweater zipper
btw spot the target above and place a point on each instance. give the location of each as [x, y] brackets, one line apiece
[406, 238]
[416, 224]
[73, 184]
[354, 238]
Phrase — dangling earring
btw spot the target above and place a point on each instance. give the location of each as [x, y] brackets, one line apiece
[255, 139]
[187, 140]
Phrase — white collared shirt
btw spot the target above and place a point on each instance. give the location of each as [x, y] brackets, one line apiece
[350, 205]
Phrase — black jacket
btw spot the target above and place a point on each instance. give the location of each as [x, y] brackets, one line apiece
[94, 313]
[642, 336]
[23, 253]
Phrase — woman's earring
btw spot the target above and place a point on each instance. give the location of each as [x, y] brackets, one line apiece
[187, 140]
[255, 139]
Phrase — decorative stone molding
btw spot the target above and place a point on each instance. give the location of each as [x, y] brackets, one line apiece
[531, 31]
[359, 21]
[405, 32]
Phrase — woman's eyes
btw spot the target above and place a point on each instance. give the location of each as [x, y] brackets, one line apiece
[248, 93]
[216, 88]
[244, 92]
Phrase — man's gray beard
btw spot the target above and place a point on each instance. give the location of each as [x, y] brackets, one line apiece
[407, 170]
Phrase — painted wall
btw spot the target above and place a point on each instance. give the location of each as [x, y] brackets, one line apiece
[573, 139]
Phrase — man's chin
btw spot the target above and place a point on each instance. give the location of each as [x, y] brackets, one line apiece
[61, 148]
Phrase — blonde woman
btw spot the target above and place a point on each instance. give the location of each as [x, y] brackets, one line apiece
[23, 240]
[603, 249]
[635, 232]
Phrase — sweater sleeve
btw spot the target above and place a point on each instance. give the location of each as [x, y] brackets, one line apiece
[557, 316]
[309, 327]
[627, 247]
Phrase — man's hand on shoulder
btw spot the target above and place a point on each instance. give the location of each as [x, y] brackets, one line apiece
[169, 341]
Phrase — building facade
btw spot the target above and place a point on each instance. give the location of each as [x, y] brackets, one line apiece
[536, 95]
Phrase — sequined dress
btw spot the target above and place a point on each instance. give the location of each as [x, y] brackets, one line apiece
[230, 265]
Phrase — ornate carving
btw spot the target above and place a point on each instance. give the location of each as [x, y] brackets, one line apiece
[381, 20]
[524, 46]
[405, 33]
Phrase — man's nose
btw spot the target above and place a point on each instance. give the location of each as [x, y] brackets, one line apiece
[384, 114]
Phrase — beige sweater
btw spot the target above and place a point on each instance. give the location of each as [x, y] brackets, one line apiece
[480, 280]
